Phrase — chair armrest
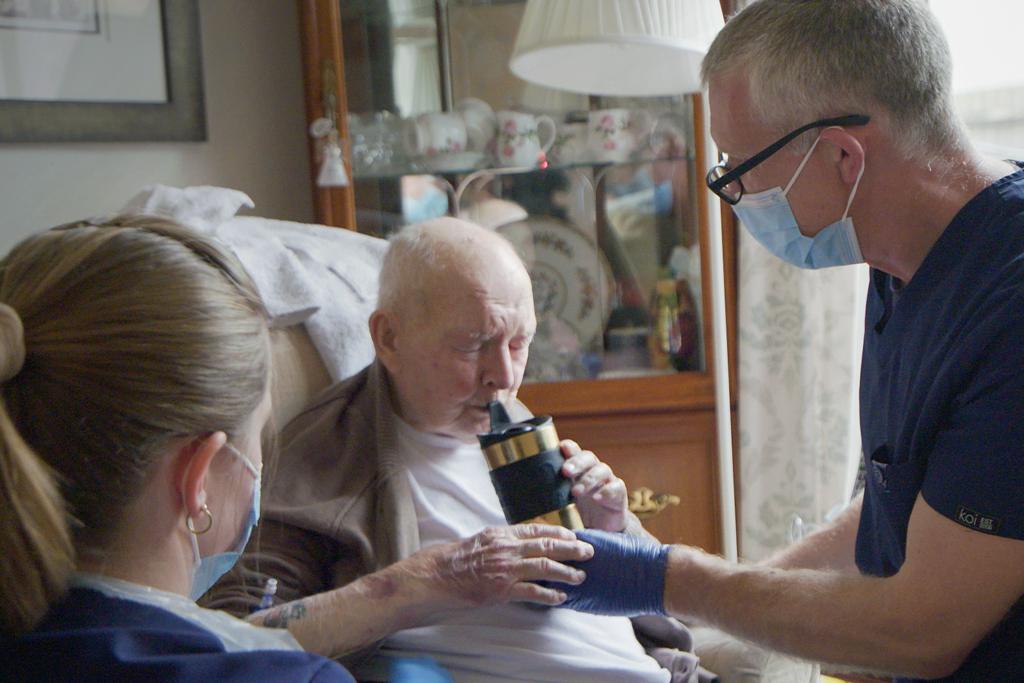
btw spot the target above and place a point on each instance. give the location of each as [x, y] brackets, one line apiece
[738, 661]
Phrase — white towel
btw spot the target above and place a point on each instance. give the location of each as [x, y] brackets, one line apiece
[323, 277]
[202, 207]
[337, 272]
[280, 277]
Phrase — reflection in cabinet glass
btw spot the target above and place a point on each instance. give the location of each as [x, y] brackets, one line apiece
[598, 195]
[614, 257]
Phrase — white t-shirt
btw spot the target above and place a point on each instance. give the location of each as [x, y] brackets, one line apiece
[454, 499]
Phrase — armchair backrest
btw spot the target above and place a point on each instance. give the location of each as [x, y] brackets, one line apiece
[298, 375]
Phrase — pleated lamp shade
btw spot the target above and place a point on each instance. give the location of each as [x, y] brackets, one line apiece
[633, 48]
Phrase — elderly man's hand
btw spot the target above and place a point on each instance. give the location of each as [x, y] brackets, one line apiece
[500, 564]
[600, 495]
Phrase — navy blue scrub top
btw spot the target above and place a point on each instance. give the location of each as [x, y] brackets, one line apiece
[942, 400]
[91, 637]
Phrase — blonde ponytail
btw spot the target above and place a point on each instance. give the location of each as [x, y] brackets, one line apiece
[34, 534]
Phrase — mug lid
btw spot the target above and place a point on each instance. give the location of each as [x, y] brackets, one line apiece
[503, 428]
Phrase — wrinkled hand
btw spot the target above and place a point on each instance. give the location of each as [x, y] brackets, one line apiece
[498, 565]
[600, 495]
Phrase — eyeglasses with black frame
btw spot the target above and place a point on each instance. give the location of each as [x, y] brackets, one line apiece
[726, 183]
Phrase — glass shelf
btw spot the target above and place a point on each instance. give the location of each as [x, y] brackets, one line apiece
[425, 168]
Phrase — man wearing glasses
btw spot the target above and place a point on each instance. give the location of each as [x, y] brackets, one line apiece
[922, 577]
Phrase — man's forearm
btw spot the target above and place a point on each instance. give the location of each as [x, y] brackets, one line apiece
[353, 617]
[495, 566]
[825, 616]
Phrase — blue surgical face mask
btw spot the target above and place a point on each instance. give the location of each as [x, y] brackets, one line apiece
[770, 220]
[433, 203]
[206, 570]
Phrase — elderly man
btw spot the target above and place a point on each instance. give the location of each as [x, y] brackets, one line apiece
[382, 476]
[840, 145]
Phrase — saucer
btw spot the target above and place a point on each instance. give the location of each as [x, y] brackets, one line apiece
[450, 163]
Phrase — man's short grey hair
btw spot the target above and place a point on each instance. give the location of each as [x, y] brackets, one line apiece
[411, 252]
[811, 59]
[419, 253]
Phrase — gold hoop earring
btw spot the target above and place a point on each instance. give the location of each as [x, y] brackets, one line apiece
[209, 521]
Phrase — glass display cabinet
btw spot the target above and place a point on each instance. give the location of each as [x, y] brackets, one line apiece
[598, 195]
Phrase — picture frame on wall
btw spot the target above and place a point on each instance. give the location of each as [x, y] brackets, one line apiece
[100, 71]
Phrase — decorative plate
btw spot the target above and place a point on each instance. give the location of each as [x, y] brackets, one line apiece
[571, 277]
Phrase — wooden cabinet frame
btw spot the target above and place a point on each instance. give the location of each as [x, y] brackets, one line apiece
[323, 68]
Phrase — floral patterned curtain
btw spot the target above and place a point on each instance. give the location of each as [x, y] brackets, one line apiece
[799, 363]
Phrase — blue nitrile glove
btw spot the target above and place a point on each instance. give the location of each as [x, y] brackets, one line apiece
[625, 577]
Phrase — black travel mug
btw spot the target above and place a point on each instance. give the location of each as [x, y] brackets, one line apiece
[526, 470]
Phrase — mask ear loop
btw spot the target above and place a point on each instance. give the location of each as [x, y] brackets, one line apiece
[800, 168]
[853, 193]
[253, 469]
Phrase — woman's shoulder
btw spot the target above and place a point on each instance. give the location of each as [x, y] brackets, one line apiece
[92, 637]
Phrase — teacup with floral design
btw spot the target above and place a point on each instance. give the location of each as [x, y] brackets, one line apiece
[615, 134]
[523, 139]
[435, 134]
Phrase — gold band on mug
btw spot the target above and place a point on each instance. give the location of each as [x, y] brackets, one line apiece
[521, 446]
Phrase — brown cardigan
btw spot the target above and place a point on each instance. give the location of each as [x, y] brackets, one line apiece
[334, 503]
[337, 506]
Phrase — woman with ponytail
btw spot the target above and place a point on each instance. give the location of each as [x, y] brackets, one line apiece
[134, 371]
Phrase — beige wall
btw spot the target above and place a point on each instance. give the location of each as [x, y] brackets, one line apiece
[255, 135]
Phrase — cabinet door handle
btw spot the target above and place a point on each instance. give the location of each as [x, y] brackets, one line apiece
[645, 503]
